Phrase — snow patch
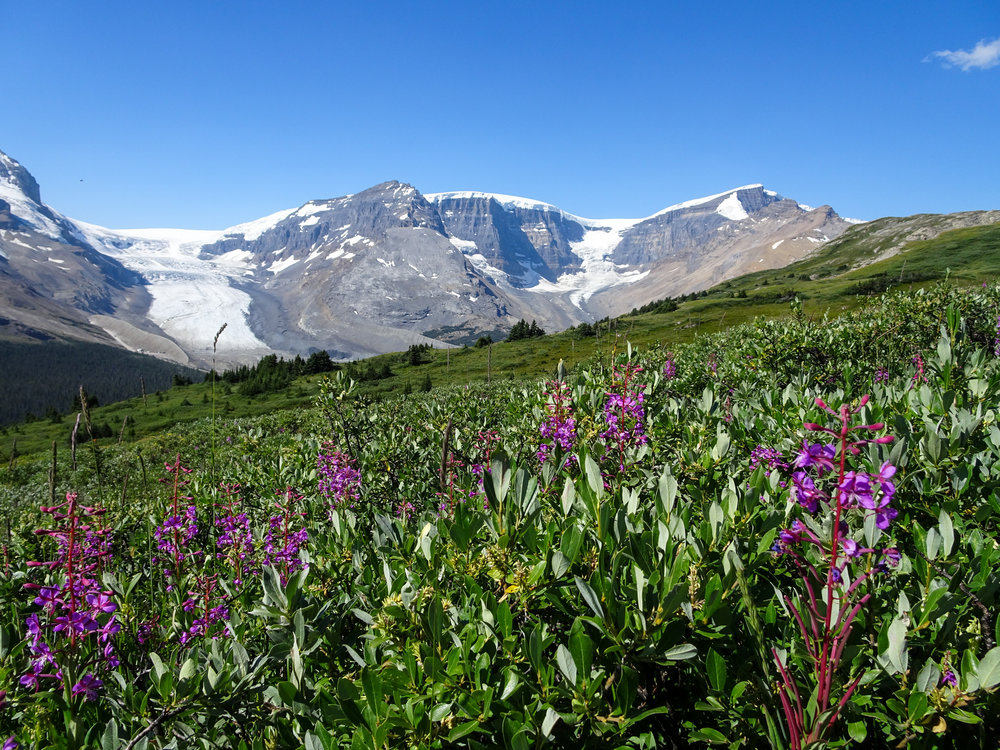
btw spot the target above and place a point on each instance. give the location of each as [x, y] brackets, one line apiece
[28, 211]
[280, 265]
[598, 271]
[732, 209]
[507, 201]
[463, 245]
[776, 244]
[251, 230]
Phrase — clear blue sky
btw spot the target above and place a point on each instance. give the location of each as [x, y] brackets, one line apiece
[206, 114]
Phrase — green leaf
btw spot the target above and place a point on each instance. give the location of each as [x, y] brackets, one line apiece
[440, 712]
[505, 620]
[716, 516]
[709, 735]
[109, 740]
[188, 669]
[463, 730]
[568, 496]
[286, 691]
[535, 644]
[571, 542]
[273, 593]
[896, 652]
[590, 596]
[640, 586]
[564, 660]
[551, 717]
[512, 684]
[989, 668]
[594, 478]
[932, 543]
[716, 667]
[947, 531]
[722, 444]
[312, 742]
[681, 652]
[158, 668]
[560, 564]
[928, 677]
[857, 730]
[371, 683]
[582, 650]
[916, 706]
[667, 490]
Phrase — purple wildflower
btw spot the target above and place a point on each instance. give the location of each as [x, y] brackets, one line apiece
[818, 455]
[559, 428]
[88, 687]
[339, 480]
[805, 492]
[624, 413]
[669, 367]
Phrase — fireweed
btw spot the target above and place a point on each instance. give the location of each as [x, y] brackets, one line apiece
[558, 431]
[918, 375]
[70, 639]
[831, 564]
[669, 367]
[235, 541]
[455, 478]
[207, 603]
[624, 413]
[339, 480]
[178, 529]
[285, 535]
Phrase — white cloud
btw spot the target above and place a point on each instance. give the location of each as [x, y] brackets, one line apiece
[984, 55]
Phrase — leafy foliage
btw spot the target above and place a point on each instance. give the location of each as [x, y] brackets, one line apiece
[418, 572]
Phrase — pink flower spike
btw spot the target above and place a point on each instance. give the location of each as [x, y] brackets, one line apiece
[884, 439]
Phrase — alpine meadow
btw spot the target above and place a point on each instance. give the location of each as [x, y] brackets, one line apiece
[781, 534]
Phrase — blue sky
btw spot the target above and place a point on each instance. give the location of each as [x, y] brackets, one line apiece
[206, 114]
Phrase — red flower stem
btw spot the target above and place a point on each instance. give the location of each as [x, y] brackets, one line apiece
[824, 670]
[795, 718]
[843, 701]
[71, 515]
[802, 627]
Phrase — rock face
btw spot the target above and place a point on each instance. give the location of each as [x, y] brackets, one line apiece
[51, 281]
[521, 238]
[375, 271]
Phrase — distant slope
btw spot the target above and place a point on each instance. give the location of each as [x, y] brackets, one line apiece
[37, 377]
[867, 260]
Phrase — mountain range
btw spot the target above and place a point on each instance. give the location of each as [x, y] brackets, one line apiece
[372, 272]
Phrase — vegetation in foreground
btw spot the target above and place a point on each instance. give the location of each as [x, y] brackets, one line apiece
[661, 549]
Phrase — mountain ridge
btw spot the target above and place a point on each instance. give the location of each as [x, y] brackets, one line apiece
[384, 268]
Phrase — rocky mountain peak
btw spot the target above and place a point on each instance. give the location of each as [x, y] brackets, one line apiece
[19, 178]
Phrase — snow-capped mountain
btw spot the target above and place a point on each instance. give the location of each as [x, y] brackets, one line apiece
[378, 270]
